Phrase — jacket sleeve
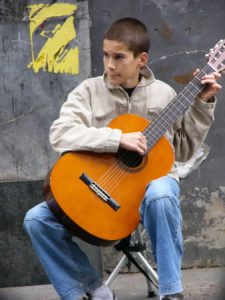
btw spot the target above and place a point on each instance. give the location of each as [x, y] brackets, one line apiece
[73, 130]
[190, 131]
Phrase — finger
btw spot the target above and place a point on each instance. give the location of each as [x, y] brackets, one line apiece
[141, 137]
[213, 76]
[217, 87]
[142, 147]
[211, 91]
[210, 82]
[196, 72]
[141, 134]
[217, 75]
[141, 151]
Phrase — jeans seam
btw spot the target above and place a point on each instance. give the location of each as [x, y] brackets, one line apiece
[71, 291]
[170, 198]
[171, 287]
[72, 256]
[171, 283]
[83, 285]
[43, 219]
[177, 228]
[158, 198]
[176, 235]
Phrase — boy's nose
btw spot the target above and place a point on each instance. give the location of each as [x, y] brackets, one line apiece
[111, 64]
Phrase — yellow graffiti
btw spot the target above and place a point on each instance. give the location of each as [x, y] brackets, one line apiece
[56, 55]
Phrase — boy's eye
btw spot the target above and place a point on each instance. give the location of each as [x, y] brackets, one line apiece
[115, 57]
[119, 57]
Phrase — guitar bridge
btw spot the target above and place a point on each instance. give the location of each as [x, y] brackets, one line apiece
[100, 192]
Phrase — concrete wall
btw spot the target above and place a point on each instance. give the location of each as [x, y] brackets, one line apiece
[32, 93]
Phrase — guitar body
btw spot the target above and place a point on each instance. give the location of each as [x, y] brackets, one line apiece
[95, 220]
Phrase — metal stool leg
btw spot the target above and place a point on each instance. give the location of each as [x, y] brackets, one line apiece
[141, 258]
[117, 269]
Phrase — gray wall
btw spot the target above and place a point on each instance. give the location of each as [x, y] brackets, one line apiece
[181, 32]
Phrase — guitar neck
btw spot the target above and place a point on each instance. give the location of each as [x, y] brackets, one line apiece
[175, 108]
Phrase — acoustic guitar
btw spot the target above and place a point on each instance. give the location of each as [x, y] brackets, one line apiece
[97, 195]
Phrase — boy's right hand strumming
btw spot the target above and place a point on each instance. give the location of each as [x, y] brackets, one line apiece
[134, 141]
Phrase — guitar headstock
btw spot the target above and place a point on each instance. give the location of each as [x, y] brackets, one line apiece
[216, 57]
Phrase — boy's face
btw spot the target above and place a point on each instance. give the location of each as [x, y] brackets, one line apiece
[120, 65]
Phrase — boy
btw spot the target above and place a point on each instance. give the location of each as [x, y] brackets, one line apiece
[127, 85]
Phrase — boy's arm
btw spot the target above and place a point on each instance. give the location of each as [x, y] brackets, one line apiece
[73, 130]
[192, 128]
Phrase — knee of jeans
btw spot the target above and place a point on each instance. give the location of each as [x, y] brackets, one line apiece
[160, 189]
[162, 203]
[30, 223]
[154, 194]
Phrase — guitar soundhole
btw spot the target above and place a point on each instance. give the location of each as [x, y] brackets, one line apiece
[130, 159]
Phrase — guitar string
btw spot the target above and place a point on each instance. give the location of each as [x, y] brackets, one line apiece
[117, 174]
[124, 168]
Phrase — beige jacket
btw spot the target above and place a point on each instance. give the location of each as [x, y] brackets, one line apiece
[82, 124]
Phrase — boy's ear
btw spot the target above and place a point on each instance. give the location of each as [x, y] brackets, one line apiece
[143, 59]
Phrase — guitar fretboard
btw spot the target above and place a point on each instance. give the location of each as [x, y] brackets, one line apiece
[175, 108]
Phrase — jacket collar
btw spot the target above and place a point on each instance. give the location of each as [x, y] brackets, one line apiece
[147, 77]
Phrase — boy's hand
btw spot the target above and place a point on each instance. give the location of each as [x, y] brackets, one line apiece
[134, 141]
[212, 86]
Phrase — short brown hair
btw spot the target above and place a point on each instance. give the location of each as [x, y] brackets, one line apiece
[132, 32]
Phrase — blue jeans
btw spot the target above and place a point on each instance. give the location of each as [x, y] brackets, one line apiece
[65, 264]
[161, 217]
[69, 269]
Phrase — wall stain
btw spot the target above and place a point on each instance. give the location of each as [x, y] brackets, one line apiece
[185, 78]
[166, 32]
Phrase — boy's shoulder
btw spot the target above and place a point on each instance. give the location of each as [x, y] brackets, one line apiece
[164, 87]
[154, 83]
